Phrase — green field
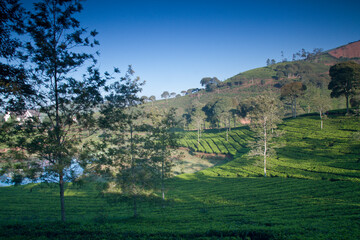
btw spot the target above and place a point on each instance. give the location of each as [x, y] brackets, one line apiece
[313, 192]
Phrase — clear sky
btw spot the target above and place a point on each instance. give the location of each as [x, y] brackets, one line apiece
[172, 44]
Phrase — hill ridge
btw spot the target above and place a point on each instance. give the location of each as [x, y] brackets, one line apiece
[350, 50]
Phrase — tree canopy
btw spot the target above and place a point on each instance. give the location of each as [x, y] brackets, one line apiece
[265, 116]
[293, 91]
[345, 80]
[14, 85]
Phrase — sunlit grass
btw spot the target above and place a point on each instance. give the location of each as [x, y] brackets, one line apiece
[313, 192]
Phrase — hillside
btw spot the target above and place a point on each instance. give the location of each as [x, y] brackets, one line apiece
[312, 72]
[313, 193]
[351, 50]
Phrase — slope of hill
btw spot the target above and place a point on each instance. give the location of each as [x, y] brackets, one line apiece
[351, 50]
[313, 193]
[308, 152]
[312, 71]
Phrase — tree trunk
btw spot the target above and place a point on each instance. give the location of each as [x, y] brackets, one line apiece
[347, 104]
[135, 206]
[62, 198]
[198, 142]
[229, 122]
[265, 146]
[294, 107]
[163, 184]
[321, 120]
[132, 160]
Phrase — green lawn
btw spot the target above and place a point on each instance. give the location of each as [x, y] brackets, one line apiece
[313, 193]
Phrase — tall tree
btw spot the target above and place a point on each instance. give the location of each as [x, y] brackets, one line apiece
[265, 116]
[53, 53]
[161, 141]
[197, 116]
[217, 111]
[293, 91]
[119, 157]
[345, 80]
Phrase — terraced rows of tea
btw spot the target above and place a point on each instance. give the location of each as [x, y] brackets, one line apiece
[216, 141]
[313, 192]
[306, 151]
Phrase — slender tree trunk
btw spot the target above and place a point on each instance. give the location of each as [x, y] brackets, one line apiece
[132, 160]
[198, 142]
[57, 118]
[294, 107]
[227, 134]
[347, 104]
[162, 183]
[229, 122]
[265, 147]
[135, 206]
[321, 119]
[62, 198]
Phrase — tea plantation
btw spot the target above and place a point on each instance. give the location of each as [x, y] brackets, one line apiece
[312, 192]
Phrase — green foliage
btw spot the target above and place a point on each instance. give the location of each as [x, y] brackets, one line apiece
[15, 88]
[55, 49]
[312, 193]
[161, 140]
[345, 80]
[258, 73]
[292, 91]
[119, 158]
[265, 117]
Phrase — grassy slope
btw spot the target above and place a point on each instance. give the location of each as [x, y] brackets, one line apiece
[251, 85]
[315, 196]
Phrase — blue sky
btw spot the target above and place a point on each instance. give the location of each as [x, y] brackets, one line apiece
[173, 44]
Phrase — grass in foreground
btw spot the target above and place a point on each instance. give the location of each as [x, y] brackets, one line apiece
[313, 193]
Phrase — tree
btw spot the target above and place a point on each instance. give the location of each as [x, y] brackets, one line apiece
[345, 79]
[144, 99]
[355, 101]
[268, 62]
[210, 83]
[293, 91]
[165, 95]
[53, 53]
[160, 142]
[119, 157]
[321, 103]
[222, 112]
[265, 116]
[217, 112]
[197, 116]
[173, 94]
[14, 86]
[152, 98]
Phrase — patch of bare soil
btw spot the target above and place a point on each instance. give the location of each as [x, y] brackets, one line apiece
[351, 50]
[192, 162]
